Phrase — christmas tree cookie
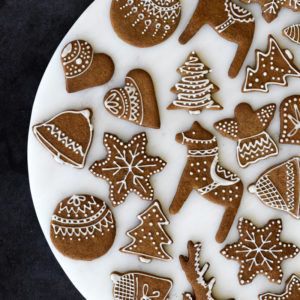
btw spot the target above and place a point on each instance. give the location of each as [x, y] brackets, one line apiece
[259, 250]
[293, 33]
[279, 187]
[194, 91]
[127, 167]
[248, 128]
[272, 68]
[140, 286]
[149, 237]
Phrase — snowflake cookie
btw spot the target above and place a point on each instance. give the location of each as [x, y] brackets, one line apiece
[127, 167]
[292, 291]
[260, 251]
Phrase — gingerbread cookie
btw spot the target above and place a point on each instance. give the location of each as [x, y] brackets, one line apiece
[194, 91]
[292, 291]
[290, 120]
[149, 237]
[293, 33]
[259, 250]
[140, 286]
[278, 187]
[136, 101]
[195, 274]
[271, 8]
[248, 128]
[228, 19]
[272, 68]
[82, 227]
[83, 68]
[127, 167]
[67, 136]
[204, 174]
[145, 23]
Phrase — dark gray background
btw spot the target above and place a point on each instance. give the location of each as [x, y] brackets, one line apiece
[30, 31]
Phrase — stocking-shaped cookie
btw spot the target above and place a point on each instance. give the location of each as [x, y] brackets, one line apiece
[248, 128]
[279, 187]
[204, 174]
[136, 101]
[83, 68]
[272, 68]
[293, 33]
[67, 136]
[290, 120]
[140, 286]
[230, 20]
[194, 91]
[271, 8]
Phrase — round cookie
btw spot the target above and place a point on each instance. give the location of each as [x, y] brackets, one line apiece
[145, 23]
[82, 227]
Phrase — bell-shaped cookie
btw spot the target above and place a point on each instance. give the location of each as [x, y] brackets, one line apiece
[136, 101]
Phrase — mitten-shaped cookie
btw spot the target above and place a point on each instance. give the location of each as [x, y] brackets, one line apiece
[83, 68]
[248, 128]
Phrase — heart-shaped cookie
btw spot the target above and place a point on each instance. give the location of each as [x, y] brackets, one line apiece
[83, 68]
[136, 101]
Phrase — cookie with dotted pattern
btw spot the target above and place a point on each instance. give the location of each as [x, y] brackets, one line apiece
[260, 250]
[248, 128]
[83, 68]
[292, 291]
[127, 167]
[136, 101]
[82, 227]
[145, 23]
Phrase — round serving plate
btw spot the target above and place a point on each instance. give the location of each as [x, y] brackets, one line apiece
[199, 219]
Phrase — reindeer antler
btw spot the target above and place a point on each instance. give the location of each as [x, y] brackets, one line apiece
[196, 274]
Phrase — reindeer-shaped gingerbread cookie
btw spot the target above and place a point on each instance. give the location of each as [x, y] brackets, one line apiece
[204, 174]
[231, 21]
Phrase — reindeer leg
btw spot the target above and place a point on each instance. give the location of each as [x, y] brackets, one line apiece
[183, 191]
[196, 22]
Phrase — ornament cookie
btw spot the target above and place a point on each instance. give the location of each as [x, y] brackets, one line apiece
[228, 19]
[292, 291]
[204, 174]
[140, 286]
[195, 274]
[145, 23]
[127, 167]
[279, 186]
[136, 101]
[259, 250]
[67, 136]
[290, 120]
[194, 91]
[271, 8]
[248, 128]
[82, 227]
[272, 68]
[293, 33]
[83, 68]
[149, 237]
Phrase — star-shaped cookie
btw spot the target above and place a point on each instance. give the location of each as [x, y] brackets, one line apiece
[127, 167]
[292, 291]
[260, 251]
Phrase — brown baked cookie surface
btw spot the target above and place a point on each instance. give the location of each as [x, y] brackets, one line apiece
[136, 101]
[248, 128]
[290, 120]
[279, 187]
[139, 285]
[205, 174]
[67, 136]
[145, 23]
[82, 227]
[229, 20]
[259, 250]
[83, 68]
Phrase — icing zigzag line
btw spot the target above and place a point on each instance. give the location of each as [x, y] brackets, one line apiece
[227, 174]
[290, 184]
[163, 12]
